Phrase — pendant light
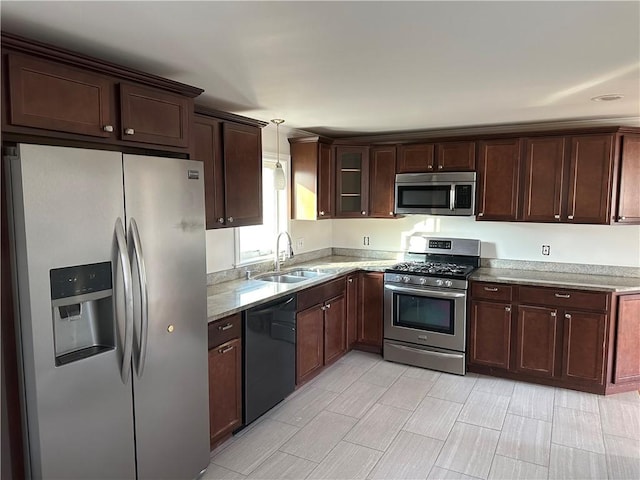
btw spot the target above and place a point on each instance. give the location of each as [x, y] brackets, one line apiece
[280, 181]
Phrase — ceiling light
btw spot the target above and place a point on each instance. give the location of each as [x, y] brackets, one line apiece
[609, 97]
[279, 178]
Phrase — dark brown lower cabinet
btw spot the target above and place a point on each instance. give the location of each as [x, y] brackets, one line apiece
[352, 308]
[536, 340]
[310, 343]
[225, 378]
[370, 311]
[584, 344]
[627, 347]
[335, 329]
[490, 333]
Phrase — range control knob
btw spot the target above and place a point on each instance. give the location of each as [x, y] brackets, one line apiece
[423, 281]
[398, 278]
[448, 283]
[439, 282]
[406, 279]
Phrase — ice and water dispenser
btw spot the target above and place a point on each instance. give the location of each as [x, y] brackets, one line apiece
[82, 308]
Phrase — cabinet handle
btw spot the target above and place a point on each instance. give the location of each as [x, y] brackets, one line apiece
[230, 219]
[491, 289]
[481, 214]
[554, 313]
[363, 212]
[226, 349]
[567, 316]
[440, 167]
[350, 280]
[507, 309]
[557, 217]
[391, 214]
[430, 167]
[220, 220]
[321, 213]
[570, 217]
[323, 308]
[225, 327]
[108, 128]
[328, 305]
[562, 295]
[129, 131]
[622, 218]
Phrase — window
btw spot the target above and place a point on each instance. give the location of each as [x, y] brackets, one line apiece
[258, 242]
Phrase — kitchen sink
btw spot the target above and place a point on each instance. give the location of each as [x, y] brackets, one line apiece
[290, 276]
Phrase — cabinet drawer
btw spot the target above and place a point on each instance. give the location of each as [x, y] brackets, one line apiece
[492, 291]
[315, 295]
[225, 329]
[562, 297]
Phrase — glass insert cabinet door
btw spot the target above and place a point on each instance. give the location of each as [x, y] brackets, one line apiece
[352, 182]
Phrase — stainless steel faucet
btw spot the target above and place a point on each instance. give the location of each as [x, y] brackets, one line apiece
[290, 255]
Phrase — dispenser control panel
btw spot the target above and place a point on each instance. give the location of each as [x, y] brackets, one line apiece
[80, 280]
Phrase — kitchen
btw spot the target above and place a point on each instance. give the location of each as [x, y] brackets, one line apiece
[504, 244]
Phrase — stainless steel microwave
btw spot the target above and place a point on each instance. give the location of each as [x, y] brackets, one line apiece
[443, 193]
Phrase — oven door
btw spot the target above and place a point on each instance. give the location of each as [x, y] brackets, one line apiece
[425, 316]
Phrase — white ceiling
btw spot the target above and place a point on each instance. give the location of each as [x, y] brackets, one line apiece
[344, 68]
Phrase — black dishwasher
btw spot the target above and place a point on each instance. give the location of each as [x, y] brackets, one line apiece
[269, 355]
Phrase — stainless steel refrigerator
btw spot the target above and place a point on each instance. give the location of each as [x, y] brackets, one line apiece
[110, 269]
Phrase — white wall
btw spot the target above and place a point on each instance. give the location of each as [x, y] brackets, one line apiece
[589, 244]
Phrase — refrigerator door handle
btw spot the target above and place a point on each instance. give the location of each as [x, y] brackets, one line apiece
[128, 301]
[144, 297]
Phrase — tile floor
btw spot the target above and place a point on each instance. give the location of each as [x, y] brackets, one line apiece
[370, 419]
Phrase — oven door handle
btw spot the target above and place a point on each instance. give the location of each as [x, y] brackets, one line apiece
[425, 292]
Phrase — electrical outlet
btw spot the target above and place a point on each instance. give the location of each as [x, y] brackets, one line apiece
[300, 243]
[546, 249]
[365, 240]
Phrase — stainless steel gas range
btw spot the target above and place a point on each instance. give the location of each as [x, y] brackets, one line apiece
[425, 303]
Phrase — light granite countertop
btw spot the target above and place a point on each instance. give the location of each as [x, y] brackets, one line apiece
[600, 283]
[235, 296]
[231, 297]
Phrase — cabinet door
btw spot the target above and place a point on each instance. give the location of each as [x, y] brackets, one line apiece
[498, 177]
[326, 182]
[382, 177]
[629, 193]
[371, 307]
[56, 97]
[207, 147]
[583, 349]
[544, 167]
[309, 343]
[415, 158]
[590, 179]
[335, 329]
[537, 341]
[490, 334]
[242, 155]
[456, 156]
[627, 341]
[352, 181]
[152, 116]
[225, 389]
[352, 309]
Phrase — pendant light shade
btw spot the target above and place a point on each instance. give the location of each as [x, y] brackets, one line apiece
[280, 181]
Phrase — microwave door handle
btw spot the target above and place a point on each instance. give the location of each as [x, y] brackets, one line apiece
[452, 197]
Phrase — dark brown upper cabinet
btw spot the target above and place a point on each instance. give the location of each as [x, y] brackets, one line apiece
[152, 116]
[352, 181]
[232, 156]
[544, 175]
[437, 157]
[56, 93]
[590, 179]
[498, 179]
[312, 178]
[382, 175]
[56, 97]
[628, 208]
